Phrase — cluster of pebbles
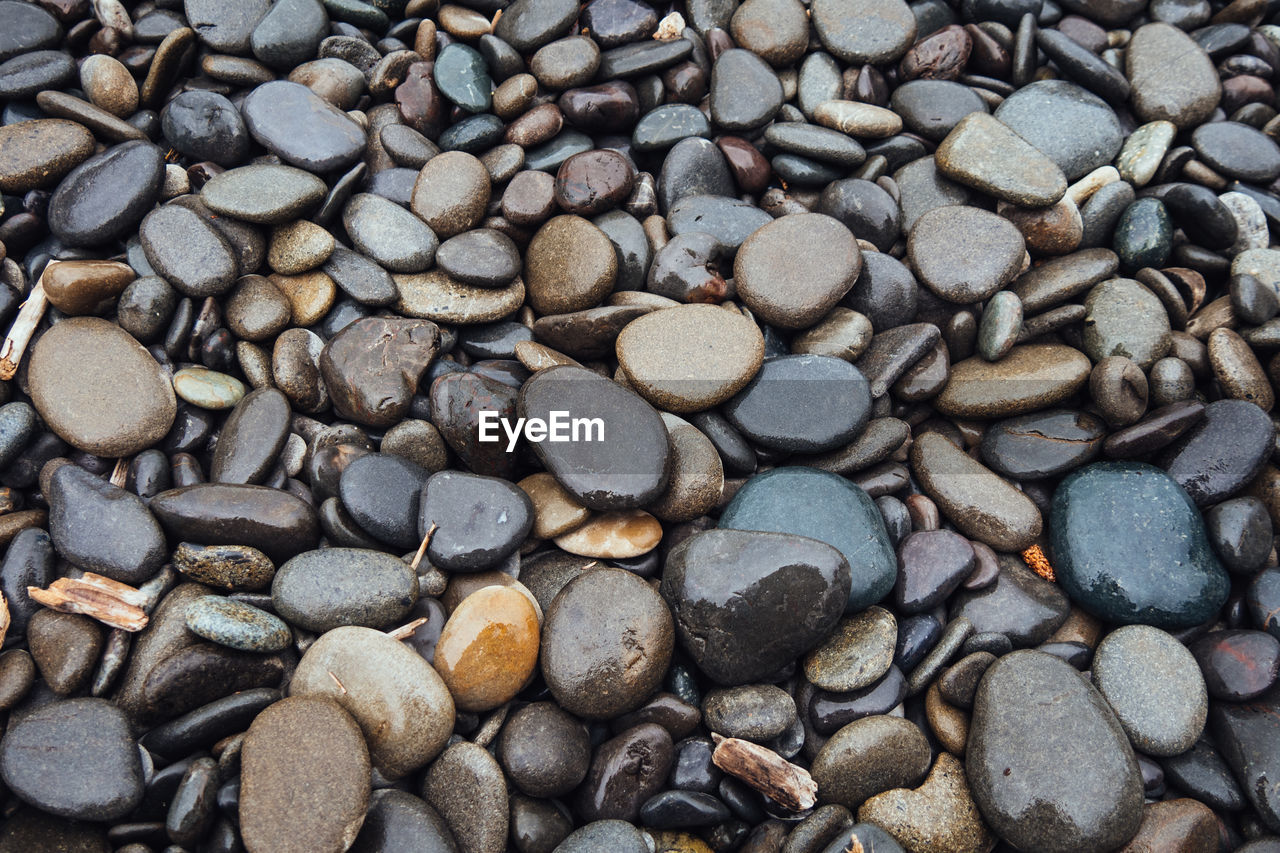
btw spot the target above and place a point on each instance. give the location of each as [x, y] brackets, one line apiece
[924, 354]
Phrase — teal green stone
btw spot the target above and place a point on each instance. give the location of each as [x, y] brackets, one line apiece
[826, 507]
[236, 625]
[1129, 546]
[1144, 235]
[463, 77]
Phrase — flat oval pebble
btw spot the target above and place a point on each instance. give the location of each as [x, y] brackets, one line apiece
[964, 254]
[690, 358]
[236, 625]
[984, 153]
[301, 128]
[304, 778]
[1159, 578]
[865, 31]
[1173, 78]
[1030, 377]
[395, 696]
[267, 194]
[1071, 126]
[488, 649]
[37, 153]
[795, 291]
[75, 373]
[1063, 747]
[607, 640]
[107, 195]
[477, 521]
[389, 234]
[802, 403]
[324, 589]
[483, 257]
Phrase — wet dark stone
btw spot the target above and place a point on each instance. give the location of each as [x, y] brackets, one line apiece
[106, 196]
[456, 402]
[102, 528]
[273, 521]
[373, 366]
[1248, 736]
[1223, 452]
[802, 404]
[1043, 444]
[626, 771]
[746, 603]
[304, 130]
[252, 438]
[381, 493]
[478, 521]
[1020, 605]
[1238, 665]
[206, 126]
[931, 565]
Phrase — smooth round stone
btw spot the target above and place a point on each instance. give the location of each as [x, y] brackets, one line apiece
[1168, 578]
[208, 389]
[372, 367]
[758, 712]
[607, 641]
[1073, 782]
[321, 590]
[858, 119]
[870, 756]
[463, 78]
[1240, 530]
[658, 352]
[726, 588]
[381, 493]
[527, 25]
[932, 108]
[27, 75]
[26, 27]
[389, 234]
[570, 265]
[82, 287]
[103, 528]
[983, 153]
[1020, 605]
[272, 520]
[1071, 126]
[745, 93]
[478, 521]
[555, 511]
[594, 181]
[75, 759]
[856, 654]
[965, 254]
[267, 194]
[398, 820]
[225, 27]
[628, 466]
[434, 295]
[466, 786]
[1144, 150]
[188, 251]
[823, 506]
[664, 126]
[617, 836]
[1237, 150]
[237, 625]
[1042, 445]
[289, 34]
[206, 126]
[39, 152]
[482, 257]
[1238, 665]
[256, 309]
[865, 31]
[1221, 453]
[1173, 79]
[304, 778]
[979, 503]
[566, 62]
[105, 197]
[931, 565]
[1127, 319]
[488, 649]
[301, 128]
[65, 648]
[75, 372]
[802, 403]
[939, 815]
[451, 193]
[396, 697]
[1135, 663]
[794, 291]
[1029, 378]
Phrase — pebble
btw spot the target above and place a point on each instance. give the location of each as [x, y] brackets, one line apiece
[488, 649]
[938, 816]
[1035, 715]
[1127, 319]
[65, 648]
[297, 798]
[389, 234]
[1238, 665]
[795, 292]
[984, 153]
[236, 625]
[1222, 452]
[723, 587]
[400, 703]
[103, 528]
[465, 781]
[864, 31]
[544, 750]
[868, 757]
[1071, 126]
[371, 368]
[321, 590]
[106, 196]
[823, 506]
[1135, 662]
[1031, 377]
[1173, 79]
[1165, 579]
[856, 654]
[786, 406]
[964, 254]
[301, 128]
[38, 153]
[267, 194]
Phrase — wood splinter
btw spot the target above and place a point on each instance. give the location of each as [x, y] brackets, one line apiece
[24, 327]
[110, 602]
[4, 618]
[422, 549]
[404, 632]
[787, 784]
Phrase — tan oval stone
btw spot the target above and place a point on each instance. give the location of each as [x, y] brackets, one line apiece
[690, 358]
[435, 295]
[536, 356]
[696, 481]
[1029, 378]
[99, 389]
[109, 85]
[81, 287]
[856, 653]
[451, 193]
[400, 703]
[979, 503]
[304, 779]
[938, 817]
[38, 153]
[843, 333]
[489, 648]
[1237, 369]
[570, 266]
[299, 247]
[555, 511]
[614, 536]
[310, 295]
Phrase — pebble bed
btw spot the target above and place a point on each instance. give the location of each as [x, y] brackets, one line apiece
[916, 365]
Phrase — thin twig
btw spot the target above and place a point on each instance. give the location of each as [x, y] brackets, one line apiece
[24, 327]
[422, 549]
[404, 632]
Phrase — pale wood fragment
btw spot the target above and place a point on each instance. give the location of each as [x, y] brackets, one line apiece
[110, 602]
[787, 784]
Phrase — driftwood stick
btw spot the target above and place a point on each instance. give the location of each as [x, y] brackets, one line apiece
[120, 474]
[4, 618]
[110, 602]
[404, 632]
[787, 784]
[422, 549]
[24, 327]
